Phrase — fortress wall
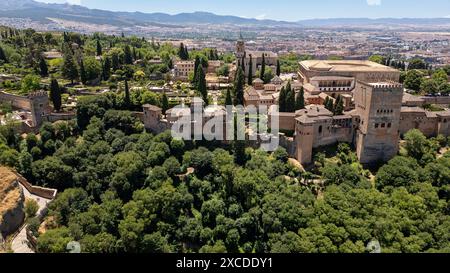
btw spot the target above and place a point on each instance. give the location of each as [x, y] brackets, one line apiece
[16, 100]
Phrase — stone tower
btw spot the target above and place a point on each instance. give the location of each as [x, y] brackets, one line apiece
[378, 106]
[240, 48]
[304, 131]
[39, 107]
[152, 116]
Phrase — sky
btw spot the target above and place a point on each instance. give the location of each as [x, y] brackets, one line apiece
[286, 10]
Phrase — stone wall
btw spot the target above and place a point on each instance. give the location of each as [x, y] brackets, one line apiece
[445, 101]
[35, 190]
[19, 102]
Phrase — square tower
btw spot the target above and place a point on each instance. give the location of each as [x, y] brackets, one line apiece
[378, 106]
[40, 107]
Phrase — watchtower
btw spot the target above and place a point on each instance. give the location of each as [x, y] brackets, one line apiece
[378, 106]
[39, 107]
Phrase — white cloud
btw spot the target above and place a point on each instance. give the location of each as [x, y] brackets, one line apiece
[261, 16]
[74, 2]
[373, 2]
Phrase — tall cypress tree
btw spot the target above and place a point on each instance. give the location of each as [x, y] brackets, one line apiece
[339, 106]
[55, 94]
[43, 67]
[329, 104]
[106, 69]
[239, 87]
[186, 53]
[278, 68]
[164, 103]
[196, 65]
[228, 99]
[282, 100]
[127, 100]
[263, 67]
[99, 48]
[128, 58]
[300, 100]
[181, 51]
[250, 71]
[2, 55]
[290, 98]
[238, 145]
[134, 53]
[201, 84]
[83, 76]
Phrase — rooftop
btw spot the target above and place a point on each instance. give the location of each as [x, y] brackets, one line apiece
[345, 66]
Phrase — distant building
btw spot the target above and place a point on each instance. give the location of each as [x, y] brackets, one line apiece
[182, 69]
[340, 77]
[244, 56]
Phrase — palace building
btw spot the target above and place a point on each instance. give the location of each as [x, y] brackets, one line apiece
[245, 58]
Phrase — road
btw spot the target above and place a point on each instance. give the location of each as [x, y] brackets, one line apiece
[20, 243]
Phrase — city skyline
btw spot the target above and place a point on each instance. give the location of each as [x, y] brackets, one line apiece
[284, 10]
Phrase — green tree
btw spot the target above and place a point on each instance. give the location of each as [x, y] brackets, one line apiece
[127, 100]
[398, 172]
[263, 67]
[417, 64]
[250, 71]
[69, 69]
[338, 106]
[282, 100]
[413, 80]
[290, 98]
[278, 68]
[31, 208]
[239, 87]
[3, 56]
[30, 83]
[197, 64]
[128, 57]
[99, 48]
[228, 99]
[93, 68]
[83, 76]
[268, 75]
[377, 59]
[54, 241]
[300, 100]
[43, 67]
[417, 145]
[165, 103]
[201, 84]
[106, 69]
[429, 86]
[55, 94]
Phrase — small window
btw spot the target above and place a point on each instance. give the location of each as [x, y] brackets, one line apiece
[383, 125]
[376, 125]
[389, 125]
[320, 129]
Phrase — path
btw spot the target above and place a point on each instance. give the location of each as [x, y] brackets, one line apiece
[20, 242]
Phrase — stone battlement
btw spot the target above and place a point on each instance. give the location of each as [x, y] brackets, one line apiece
[37, 94]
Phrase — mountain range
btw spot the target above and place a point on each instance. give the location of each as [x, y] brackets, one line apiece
[46, 13]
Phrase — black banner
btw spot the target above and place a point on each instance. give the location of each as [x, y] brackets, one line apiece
[129, 263]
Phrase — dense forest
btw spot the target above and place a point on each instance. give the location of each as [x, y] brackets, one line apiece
[122, 189]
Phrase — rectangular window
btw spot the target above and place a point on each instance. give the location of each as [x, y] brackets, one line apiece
[383, 125]
[376, 125]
